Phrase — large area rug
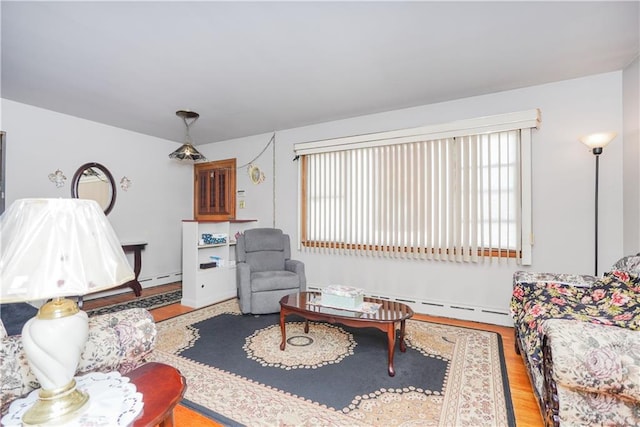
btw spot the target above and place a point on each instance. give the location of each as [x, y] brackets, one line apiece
[335, 375]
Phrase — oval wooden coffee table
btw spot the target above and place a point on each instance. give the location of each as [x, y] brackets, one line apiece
[162, 387]
[388, 315]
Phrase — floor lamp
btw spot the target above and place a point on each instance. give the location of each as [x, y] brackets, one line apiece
[596, 142]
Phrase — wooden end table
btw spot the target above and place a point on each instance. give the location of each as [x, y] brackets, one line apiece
[385, 319]
[162, 387]
[136, 248]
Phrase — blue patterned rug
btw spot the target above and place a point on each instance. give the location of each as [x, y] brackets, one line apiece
[150, 302]
[15, 315]
[334, 375]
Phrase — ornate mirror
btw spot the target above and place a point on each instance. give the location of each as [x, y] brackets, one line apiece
[94, 181]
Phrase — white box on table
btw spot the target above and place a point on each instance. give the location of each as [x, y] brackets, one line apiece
[342, 297]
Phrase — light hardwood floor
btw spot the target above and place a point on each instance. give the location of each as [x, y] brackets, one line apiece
[524, 403]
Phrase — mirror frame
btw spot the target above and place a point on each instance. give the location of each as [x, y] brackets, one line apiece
[76, 181]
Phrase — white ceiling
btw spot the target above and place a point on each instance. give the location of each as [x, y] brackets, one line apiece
[256, 67]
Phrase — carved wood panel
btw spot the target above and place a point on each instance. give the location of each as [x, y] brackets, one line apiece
[215, 190]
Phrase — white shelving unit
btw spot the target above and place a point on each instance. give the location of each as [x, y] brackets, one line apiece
[205, 286]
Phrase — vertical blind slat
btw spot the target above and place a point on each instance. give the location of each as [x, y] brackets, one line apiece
[473, 198]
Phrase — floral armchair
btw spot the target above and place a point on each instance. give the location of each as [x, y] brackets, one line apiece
[579, 337]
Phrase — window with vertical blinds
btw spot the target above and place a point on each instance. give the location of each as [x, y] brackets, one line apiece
[458, 192]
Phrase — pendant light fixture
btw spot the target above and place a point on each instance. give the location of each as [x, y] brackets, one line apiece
[187, 151]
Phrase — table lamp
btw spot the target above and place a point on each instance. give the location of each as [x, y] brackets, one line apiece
[51, 249]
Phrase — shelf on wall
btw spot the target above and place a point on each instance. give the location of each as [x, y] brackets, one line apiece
[231, 221]
[212, 245]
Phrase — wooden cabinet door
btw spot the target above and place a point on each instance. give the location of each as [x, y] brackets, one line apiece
[215, 190]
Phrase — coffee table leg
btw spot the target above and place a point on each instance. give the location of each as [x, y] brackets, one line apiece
[391, 339]
[282, 330]
[306, 326]
[403, 346]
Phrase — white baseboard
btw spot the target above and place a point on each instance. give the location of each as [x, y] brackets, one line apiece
[146, 282]
[430, 307]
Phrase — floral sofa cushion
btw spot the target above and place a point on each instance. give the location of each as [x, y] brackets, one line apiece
[593, 359]
[613, 300]
[580, 408]
[596, 371]
[116, 341]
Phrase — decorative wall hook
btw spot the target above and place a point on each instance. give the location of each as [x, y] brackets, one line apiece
[57, 178]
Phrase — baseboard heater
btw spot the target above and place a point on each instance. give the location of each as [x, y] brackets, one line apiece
[442, 309]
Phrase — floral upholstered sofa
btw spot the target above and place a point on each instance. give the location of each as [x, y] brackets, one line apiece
[580, 339]
[117, 341]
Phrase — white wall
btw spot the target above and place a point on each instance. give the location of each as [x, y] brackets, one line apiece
[40, 141]
[631, 107]
[258, 197]
[563, 195]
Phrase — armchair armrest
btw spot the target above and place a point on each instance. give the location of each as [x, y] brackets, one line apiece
[298, 268]
[118, 340]
[243, 281]
[528, 285]
[577, 280]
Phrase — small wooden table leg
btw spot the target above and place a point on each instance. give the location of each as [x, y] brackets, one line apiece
[306, 326]
[403, 347]
[391, 338]
[136, 248]
[282, 330]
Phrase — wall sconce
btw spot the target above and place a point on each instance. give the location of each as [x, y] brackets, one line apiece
[255, 174]
[125, 183]
[597, 141]
[57, 178]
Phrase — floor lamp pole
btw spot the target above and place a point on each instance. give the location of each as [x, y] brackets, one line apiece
[597, 151]
[596, 141]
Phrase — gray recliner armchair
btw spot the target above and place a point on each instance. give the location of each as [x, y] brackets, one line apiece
[265, 271]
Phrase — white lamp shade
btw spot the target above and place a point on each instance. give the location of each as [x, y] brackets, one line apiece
[598, 140]
[58, 247]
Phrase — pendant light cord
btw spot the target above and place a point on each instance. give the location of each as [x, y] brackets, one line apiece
[273, 139]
